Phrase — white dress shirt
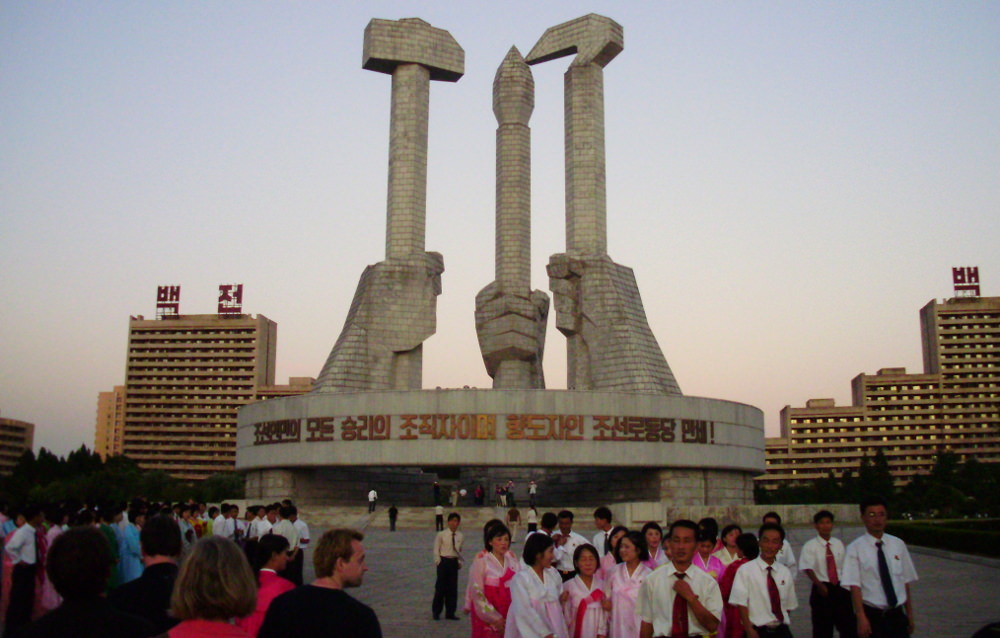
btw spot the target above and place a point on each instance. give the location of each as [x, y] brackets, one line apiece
[223, 526]
[285, 528]
[303, 530]
[786, 556]
[599, 539]
[655, 603]
[813, 557]
[750, 591]
[861, 569]
[21, 547]
[564, 553]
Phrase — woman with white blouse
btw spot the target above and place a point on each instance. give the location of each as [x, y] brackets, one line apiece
[536, 608]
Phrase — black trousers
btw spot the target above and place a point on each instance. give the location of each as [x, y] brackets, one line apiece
[781, 631]
[392, 525]
[439, 522]
[888, 624]
[446, 588]
[293, 571]
[832, 610]
[22, 597]
[371, 506]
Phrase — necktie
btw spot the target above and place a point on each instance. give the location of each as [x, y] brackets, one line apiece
[772, 593]
[883, 574]
[607, 542]
[679, 626]
[831, 567]
[453, 546]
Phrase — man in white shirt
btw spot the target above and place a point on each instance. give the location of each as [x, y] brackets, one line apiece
[448, 560]
[286, 528]
[222, 525]
[602, 539]
[878, 570]
[372, 497]
[566, 542]
[295, 573]
[23, 553]
[786, 555]
[822, 561]
[763, 589]
[676, 599]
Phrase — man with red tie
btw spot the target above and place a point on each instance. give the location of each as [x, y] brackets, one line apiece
[822, 560]
[763, 589]
[878, 570]
[678, 600]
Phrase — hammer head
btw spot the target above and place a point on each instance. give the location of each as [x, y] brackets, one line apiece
[594, 38]
[389, 43]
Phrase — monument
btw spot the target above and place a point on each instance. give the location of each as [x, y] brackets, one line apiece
[622, 431]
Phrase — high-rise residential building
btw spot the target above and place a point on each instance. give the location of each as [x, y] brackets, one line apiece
[954, 405]
[110, 431]
[16, 438]
[186, 378]
[295, 387]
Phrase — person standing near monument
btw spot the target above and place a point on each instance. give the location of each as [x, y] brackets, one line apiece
[679, 599]
[372, 498]
[822, 561]
[448, 559]
[763, 589]
[393, 513]
[786, 555]
[602, 539]
[323, 608]
[513, 522]
[878, 570]
[532, 493]
[438, 517]
[566, 541]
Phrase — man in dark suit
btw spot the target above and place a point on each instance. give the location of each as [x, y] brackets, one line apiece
[149, 595]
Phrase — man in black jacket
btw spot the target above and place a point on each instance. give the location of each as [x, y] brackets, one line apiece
[149, 595]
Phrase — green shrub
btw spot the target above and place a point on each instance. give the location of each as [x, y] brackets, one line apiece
[944, 536]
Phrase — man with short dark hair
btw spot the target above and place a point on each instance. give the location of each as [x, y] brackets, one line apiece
[878, 570]
[602, 539]
[79, 566]
[322, 608]
[676, 600]
[763, 589]
[822, 561]
[22, 550]
[448, 560]
[786, 555]
[149, 595]
[566, 542]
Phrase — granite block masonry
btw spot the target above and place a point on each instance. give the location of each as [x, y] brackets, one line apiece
[510, 317]
[394, 309]
[598, 307]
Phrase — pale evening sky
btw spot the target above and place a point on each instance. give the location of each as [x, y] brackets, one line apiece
[790, 181]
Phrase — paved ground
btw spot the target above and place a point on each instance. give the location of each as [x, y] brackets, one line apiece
[955, 595]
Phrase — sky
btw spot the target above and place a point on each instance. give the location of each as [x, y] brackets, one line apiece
[790, 181]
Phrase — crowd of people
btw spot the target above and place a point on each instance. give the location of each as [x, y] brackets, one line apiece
[151, 569]
[689, 580]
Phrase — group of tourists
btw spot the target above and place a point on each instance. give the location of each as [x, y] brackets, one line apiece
[690, 580]
[180, 570]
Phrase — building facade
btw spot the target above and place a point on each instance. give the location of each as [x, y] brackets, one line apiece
[109, 434]
[186, 377]
[954, 405]
[16, 438]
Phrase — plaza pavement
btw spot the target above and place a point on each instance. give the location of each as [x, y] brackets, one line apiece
[956, 595]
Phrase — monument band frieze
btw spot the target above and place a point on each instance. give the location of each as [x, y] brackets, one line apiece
[516, 427]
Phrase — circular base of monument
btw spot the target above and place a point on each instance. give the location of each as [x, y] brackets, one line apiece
[669, 445]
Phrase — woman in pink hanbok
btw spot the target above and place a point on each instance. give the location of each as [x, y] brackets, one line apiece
[610, 559]
[487, 598]
[653, 535]
[536, 608]
[622, 588]
[729, 552]
[705, 559]
[583, 608]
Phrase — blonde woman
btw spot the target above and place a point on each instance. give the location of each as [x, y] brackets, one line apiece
[214, 586]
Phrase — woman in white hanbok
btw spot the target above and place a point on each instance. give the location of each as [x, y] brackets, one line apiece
[585, 615]
[653, 534]
[536, 609]
[622, 587]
